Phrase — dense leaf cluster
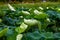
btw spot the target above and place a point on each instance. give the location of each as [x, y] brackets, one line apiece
[33, 23]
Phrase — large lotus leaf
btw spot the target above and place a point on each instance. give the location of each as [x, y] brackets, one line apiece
[0, 20]
[32, 36]
[22, 28]
[57, 35]
[8, 21]
[58, 9]
[11, 8]
[30, 22]
[58, 16]
[10, 32]
[41, 36]
[3, 32]
[2, 14]
[47, 35]
[36, 12]
[39, 26]
[41, 16]
[24, 9]
[12, 37]
[52, 14]
[19, 36]
[44, 24]
[25, 13]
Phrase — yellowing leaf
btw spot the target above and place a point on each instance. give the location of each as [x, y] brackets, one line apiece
[3, 32]
[22, 28]
[30, 21]
[19, 37]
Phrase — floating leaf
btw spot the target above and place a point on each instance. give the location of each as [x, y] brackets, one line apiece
[22, 28]
[3, 32]
[30, 22]
[19, 37]
[41, 16]
[11, 8]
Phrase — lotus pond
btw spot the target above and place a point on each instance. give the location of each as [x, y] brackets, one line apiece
[29, 23]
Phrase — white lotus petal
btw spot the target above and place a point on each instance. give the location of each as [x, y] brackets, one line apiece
[11, 8]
